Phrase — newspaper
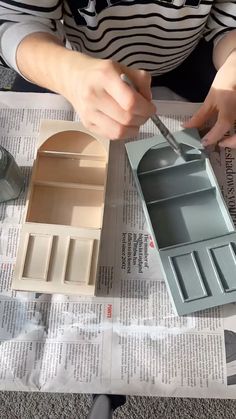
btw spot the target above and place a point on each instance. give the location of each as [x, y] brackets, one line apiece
[127, 339]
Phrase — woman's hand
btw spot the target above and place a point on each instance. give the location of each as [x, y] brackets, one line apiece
[220, 101]
[106, 105]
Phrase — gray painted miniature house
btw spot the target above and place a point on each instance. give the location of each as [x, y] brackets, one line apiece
[189, 221]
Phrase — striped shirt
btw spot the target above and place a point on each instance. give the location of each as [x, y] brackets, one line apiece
[153, 35]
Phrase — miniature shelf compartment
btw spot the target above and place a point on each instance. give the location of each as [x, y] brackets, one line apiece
[189, 221]
[60, 237]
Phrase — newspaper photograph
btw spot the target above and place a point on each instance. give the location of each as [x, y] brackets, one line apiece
[127, 339]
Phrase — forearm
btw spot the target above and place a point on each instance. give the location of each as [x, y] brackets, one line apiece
[105, 104]
[44, 60]
[225, 48]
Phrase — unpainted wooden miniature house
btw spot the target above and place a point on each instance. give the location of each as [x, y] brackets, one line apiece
[60, 236]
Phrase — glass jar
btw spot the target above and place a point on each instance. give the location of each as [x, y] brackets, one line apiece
[11, 178]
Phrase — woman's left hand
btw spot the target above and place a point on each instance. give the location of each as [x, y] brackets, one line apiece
[220, 101]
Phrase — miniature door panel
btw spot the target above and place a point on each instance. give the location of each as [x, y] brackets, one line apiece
[59, 244]
[201, 275]
[189, 222]
[57, 259]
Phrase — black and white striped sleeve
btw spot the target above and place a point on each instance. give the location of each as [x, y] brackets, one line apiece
[19, 19]
[222, 19]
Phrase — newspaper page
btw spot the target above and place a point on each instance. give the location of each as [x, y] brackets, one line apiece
[127, 339]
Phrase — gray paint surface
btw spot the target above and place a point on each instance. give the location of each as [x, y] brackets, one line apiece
[189, 221]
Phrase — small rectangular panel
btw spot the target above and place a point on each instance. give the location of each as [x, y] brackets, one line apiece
[79, 261]
[37, 257]
[216, 263]
[48, 274]
[224, 259]
[189, 277]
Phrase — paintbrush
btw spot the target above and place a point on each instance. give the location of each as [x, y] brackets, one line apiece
[178, 149]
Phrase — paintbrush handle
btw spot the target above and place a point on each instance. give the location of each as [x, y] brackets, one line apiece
[166, 133]
[157, 122]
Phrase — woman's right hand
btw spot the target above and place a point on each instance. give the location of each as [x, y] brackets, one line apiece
[106, 105]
